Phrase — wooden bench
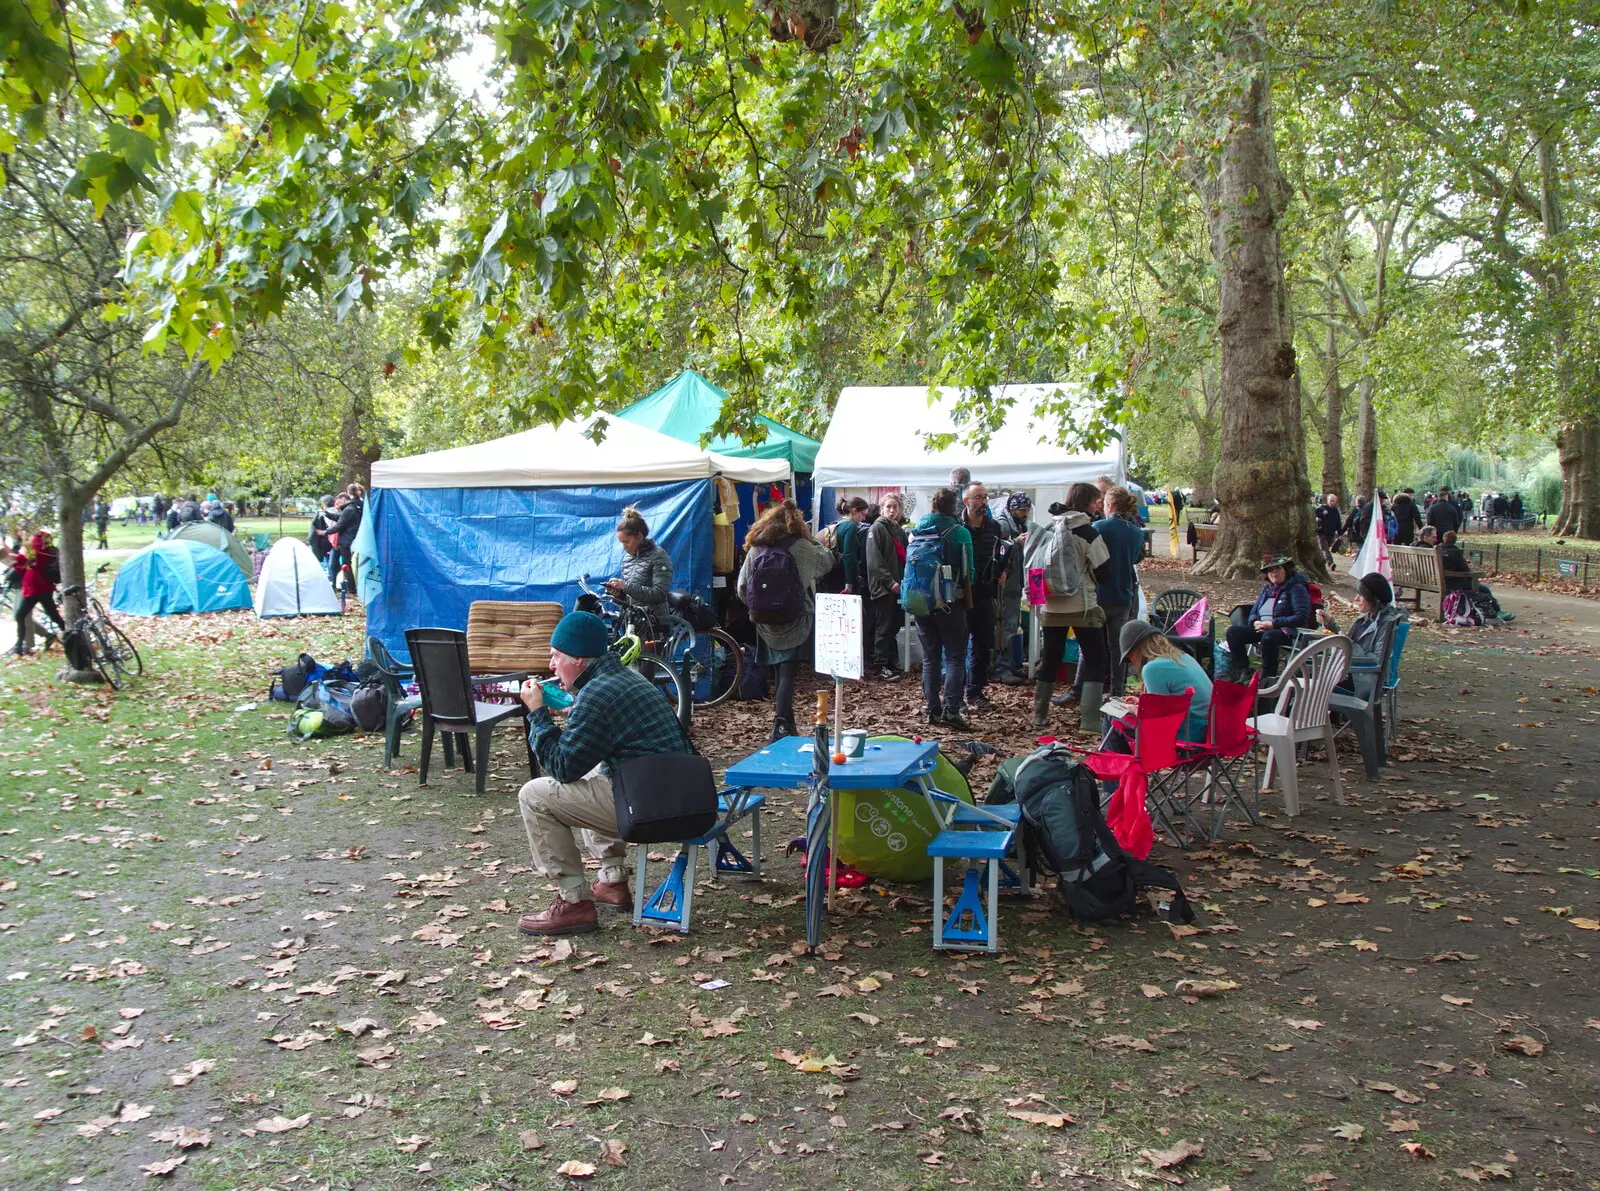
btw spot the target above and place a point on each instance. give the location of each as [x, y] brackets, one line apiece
[1203, 536]
[1420, 569]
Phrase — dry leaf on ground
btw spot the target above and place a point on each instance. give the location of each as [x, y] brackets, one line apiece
[1174, 1155]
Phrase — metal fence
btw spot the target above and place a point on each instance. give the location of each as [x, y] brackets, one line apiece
[1560, 563]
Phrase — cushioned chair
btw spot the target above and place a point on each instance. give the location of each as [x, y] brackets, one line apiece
[444, 677]
[395, 675]
[510, 639]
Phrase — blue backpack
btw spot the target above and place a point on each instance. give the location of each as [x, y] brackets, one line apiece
[925, 588]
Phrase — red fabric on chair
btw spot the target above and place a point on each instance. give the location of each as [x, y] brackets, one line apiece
[1156, 723]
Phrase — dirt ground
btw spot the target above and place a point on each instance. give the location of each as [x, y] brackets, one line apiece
[290, 969]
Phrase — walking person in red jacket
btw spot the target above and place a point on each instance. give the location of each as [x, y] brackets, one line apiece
[40, 566]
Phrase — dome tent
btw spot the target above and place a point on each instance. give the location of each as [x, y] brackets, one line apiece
[182, 576]
[293, 583]
[215, 536]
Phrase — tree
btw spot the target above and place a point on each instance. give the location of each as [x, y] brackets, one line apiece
[74, 375]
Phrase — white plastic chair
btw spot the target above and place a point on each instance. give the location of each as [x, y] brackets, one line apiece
[1301, 714]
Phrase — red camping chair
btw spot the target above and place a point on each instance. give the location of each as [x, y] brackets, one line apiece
[1229, 746]
[1152, 782]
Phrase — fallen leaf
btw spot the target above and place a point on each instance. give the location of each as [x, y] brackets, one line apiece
[613, 1094]
[577, 1170]
[410, 1145]
[183, 1136]
[1402, 1125]
[163, 1168]
[1450, 1000]
[1416, 1149]
[1523, 1044]
[1302, 1023]
[1050, 1120]
[424, 1022]
[530, 1140]
[1204, 988]
[282, 1124]
[1349, 1131]
[1174, 1155]
[1153, 991]
[611, 1151]
[1584, 923]
[360, 1026]
[564, 1087]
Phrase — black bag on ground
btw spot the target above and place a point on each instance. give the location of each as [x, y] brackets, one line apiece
[370, 706]
[1067, 833]
[663, 798]
[753, 680]
[75, 644]
[292, 679]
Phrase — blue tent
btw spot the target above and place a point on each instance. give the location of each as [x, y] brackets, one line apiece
[178, 576]
[522, 517]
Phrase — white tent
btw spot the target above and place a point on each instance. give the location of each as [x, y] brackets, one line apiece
[293, 583]
[565, 456]
[875, 440]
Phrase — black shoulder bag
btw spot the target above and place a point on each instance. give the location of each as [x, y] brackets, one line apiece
[663, 798]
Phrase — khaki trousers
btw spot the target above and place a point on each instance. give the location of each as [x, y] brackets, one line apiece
[552, 810]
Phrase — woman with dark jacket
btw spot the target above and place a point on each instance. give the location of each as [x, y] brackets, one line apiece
[39, 567]
[1281, 610]
[943, 634]
[646, 570]
[1376, 614]
[783, 644]
[342, 533]
[886, 565]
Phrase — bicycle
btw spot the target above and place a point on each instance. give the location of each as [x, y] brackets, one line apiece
[709, 660]
[633, 642]
[109, 648]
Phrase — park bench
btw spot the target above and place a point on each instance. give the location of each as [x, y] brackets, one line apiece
[1419, 570]
[1203, 536]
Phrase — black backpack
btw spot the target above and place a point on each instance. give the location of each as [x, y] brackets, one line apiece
[292, 679]
[52, 566]
[1067, 833]
[370, 706]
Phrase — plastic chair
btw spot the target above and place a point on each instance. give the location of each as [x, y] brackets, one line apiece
[1165, 611]
[395, 675]
[1229, 745]
[1391, 685]
[1160, 760]
[445, 679]
[1362, 706]
[1301, 714]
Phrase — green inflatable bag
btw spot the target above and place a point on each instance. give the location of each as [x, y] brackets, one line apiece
[885, 833]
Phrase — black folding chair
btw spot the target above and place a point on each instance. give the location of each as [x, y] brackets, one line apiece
[394, 675]
[444, 676]
[1168, 608]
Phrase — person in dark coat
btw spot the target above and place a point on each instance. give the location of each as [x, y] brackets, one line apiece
[321, 522]
[886, 566]
[1329, 526]
[342, 534]
[1281, 610]
[1408, 518]
[1443, 514]
[989, 559]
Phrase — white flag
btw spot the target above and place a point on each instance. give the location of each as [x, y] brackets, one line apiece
[1374, 553]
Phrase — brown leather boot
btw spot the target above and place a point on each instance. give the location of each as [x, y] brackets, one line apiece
[562, 918]
[612, 893]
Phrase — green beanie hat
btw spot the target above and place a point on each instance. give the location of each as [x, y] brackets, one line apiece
[581, 635]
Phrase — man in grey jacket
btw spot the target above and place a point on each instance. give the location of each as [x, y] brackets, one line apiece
[1014, 526]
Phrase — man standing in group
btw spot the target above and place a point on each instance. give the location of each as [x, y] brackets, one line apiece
[616, 714]
[960, 477]
[1408, 519]
[1329, 524]
[1443, 514]
[1014, 525]
[988, 560]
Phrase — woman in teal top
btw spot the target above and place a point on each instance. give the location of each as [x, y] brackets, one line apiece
[1164, 669]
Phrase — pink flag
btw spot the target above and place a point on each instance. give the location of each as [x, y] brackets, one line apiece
[1189, 623]
[1374, 554]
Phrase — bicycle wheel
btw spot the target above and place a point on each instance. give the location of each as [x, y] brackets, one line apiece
[127, 655]
[104, 657]
[712, 662]
[665, 679]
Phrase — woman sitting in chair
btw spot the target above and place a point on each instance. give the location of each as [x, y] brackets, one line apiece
[1164, 669]
[1281, 610]
[1376, 613]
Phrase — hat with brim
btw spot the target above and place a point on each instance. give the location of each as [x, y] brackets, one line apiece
[1276, 560]
[1133, 632]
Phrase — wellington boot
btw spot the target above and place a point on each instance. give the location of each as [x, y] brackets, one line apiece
[1041, 703]
[1089, 707]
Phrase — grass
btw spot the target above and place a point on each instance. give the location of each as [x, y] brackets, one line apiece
[190, 816]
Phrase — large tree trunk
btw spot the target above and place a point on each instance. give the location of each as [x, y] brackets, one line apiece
[1367, 443]
[359, 448]
[1262, 484]
[1578, 448]
[71, 501]
[1333, 426]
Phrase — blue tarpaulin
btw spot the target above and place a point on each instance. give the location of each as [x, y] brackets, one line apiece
[428, 553]
[178, 576]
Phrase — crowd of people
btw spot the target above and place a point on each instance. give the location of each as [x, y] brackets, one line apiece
[1407, 517]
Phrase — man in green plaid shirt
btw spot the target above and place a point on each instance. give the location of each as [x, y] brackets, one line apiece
[616, 714]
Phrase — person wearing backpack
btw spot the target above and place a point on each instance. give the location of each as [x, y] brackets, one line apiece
[321, 522]
[936, 591]
[1281, 610]
[1071, 559]
[886, 564]
[41, 572]
[778, 584]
